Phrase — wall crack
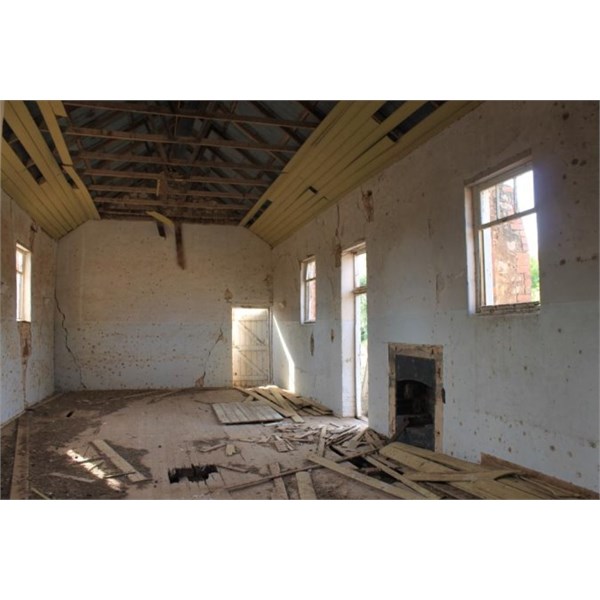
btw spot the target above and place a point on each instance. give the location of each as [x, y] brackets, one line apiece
[220, 338]
[66, 333]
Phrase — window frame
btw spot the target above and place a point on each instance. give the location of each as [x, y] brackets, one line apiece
[23, 291]
[477, 230]
[305, 290]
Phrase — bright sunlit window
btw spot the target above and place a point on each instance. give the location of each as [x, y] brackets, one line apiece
[23, 268]
[506, 241]
[308, 298]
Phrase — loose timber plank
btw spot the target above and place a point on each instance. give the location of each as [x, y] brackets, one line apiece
[449, 477]
[19, 485]
[365, 479]
[402, 478]
[321, 442]
[279, 491]
[230, 413]
[487, 490]
[74, 477]
[247, 484]
[306, 490]
[119, 461]
[555, 485]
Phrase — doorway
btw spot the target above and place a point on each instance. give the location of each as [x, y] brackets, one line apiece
[355, 336]
[251, 346]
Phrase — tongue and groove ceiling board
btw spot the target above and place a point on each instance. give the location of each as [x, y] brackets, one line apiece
[270, 166]
[353, 143]
[35, 169]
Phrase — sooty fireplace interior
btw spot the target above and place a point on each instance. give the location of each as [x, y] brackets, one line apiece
[415, 400]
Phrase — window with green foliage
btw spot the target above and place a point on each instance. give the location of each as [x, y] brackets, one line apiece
[506, 241]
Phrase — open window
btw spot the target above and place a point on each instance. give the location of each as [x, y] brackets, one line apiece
[23, 269]
[308, 300]
[505, 241]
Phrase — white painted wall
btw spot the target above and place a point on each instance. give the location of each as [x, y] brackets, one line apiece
[523, 388]
[130, 317]
[27, 376]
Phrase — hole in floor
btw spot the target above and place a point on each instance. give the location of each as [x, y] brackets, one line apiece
[193, 473]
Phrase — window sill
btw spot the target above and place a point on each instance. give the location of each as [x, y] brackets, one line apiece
[510, 309]
[307, 322]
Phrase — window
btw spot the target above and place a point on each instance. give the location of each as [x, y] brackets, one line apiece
[23, 268]
[506, 242]
[308, 300]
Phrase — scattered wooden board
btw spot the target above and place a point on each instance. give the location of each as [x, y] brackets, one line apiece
[306, 490]
[370, 481]
[247, 484]
[19, 485]
[230, 450]
[119, 461]
[449, 477]
[484, 489]
[279, 491]
[321, 442]
[211, 448]
[230, 413]
[40, 494]
[74, 477]
[402, 478]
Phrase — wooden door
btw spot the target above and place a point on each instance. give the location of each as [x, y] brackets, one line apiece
[251, 340]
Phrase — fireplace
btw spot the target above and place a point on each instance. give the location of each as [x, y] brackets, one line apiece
[416, 394]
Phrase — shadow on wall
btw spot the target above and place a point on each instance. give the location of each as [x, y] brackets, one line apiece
[291, 382]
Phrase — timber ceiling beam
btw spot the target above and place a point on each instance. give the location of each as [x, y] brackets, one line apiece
[190, 114]
[191, 178]
[125, 189]
[169, 204]
[131, 136]
[265, 110]
[173, 162]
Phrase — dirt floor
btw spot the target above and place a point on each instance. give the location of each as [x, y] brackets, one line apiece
[157, 434]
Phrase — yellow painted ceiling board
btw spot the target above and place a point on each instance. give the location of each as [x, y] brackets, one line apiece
[24, 127]
[67, 162]
[334, 115]
[12, 166]
[309, 174]
[14, 188]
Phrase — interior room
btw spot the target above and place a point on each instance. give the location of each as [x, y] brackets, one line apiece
[279, 299]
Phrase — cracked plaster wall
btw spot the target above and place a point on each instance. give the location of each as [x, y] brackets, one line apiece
[523, 388]
[27, 351]
[129, 317]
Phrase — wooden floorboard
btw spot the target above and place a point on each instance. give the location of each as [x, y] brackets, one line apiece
[242, 412]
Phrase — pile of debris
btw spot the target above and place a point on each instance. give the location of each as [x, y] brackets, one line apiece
[409, 472]
[286, 403]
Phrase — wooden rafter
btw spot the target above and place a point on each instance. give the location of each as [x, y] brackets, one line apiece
[164, 139]
[139, 202]
[127, 157]
[190, 114]
[128, 174]
[265, 110]
[127, 189]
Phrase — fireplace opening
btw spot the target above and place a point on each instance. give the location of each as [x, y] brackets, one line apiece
[415, 413]
[415, 400]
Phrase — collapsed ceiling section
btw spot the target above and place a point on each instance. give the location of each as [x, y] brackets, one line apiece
[270, 166]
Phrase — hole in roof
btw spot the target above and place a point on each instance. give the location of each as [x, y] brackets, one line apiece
[387, 109]
[413, 120]
[259, 213]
